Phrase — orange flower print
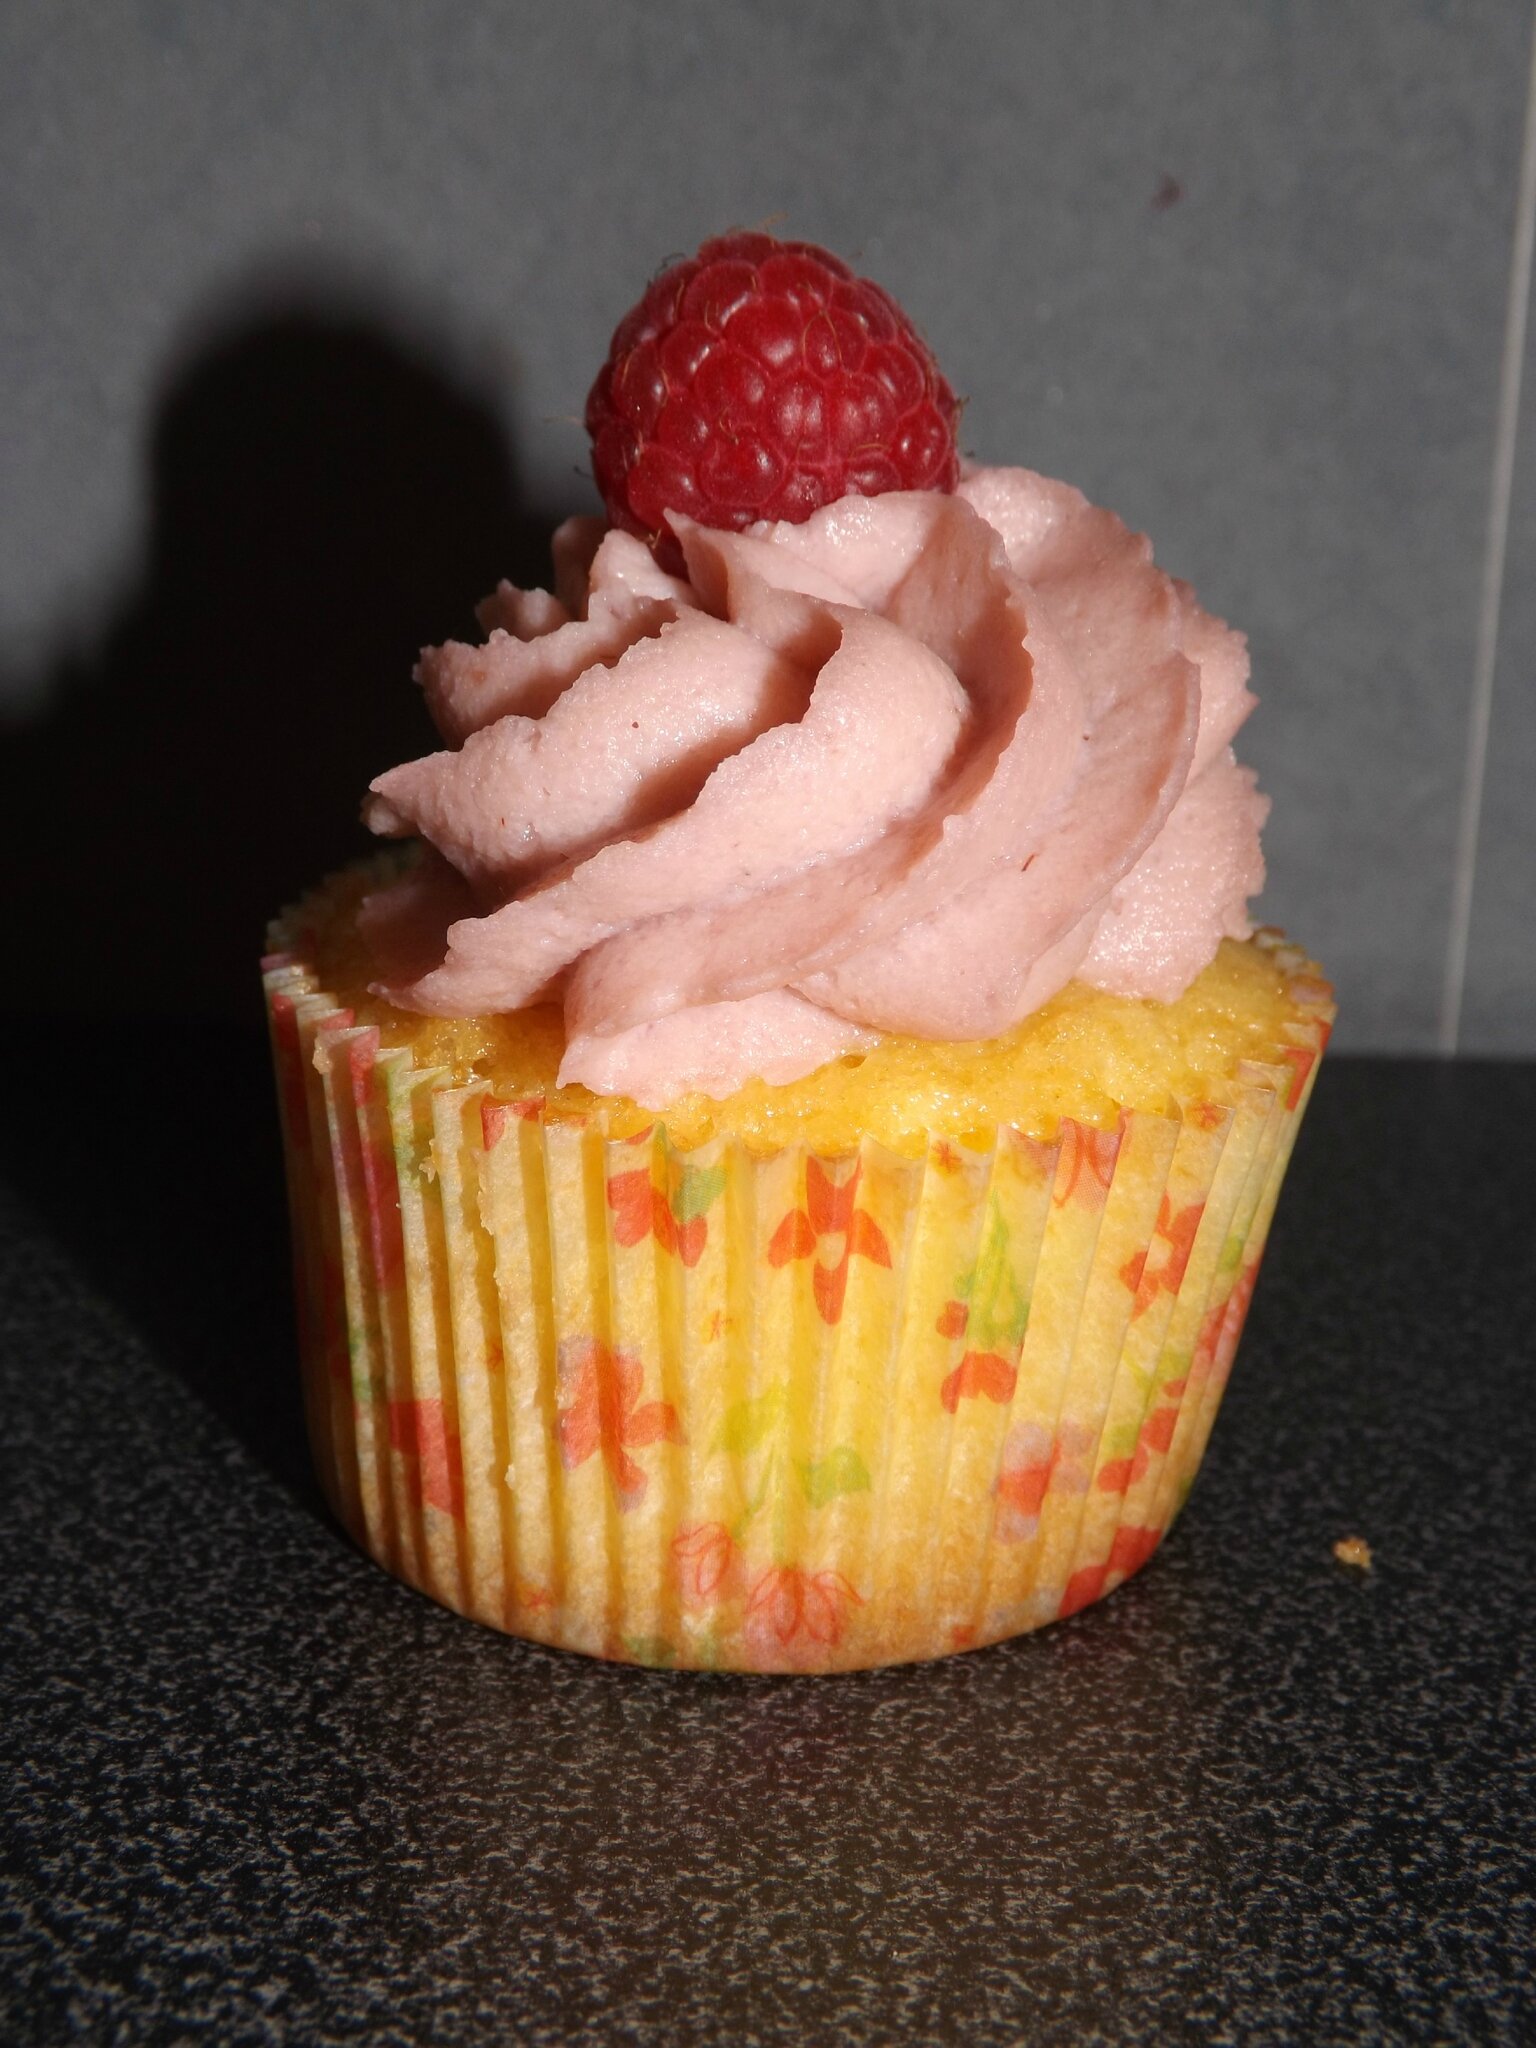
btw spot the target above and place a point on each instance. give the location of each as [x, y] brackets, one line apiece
[1129, 1552]
[786, 1603]
[1223, 1325]
[980, 1372]
[603, 1412]
[1118, 1475]
[953, 1317]
[495, 1116]
[1037, 1461]
[676, 1218]
[1087, 1164]
[1145, 1280]
[705, 1554]
[829, 1215]
[419, 1432]
[1301, 1060]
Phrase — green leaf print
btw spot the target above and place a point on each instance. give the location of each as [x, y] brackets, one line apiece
[701, 1185]
[1174, 1365]
[654, 1651]
[840, 1471]
[999, 1306]
[747, 1423]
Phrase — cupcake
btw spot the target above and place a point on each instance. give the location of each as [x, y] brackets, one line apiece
[781, 1140]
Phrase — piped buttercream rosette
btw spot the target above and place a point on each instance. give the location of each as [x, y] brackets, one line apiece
[908, 766]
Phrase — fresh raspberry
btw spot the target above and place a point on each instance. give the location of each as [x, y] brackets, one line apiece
[759, 380]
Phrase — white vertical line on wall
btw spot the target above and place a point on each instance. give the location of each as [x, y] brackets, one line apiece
[1485, 658]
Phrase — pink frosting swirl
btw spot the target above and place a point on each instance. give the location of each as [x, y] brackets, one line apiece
[909, 766]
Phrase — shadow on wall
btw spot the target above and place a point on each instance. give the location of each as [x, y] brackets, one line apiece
[324, 500]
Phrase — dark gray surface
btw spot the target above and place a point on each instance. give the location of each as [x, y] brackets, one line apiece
[261, 1793]
[1288, 375]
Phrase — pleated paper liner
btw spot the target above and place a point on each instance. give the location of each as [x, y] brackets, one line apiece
[771, 1413]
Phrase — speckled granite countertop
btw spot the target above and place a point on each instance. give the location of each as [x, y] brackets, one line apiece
[257, 1792]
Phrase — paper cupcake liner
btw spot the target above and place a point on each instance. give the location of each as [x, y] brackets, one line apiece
[714, 1410]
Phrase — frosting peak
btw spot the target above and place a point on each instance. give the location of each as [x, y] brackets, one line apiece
[908, 766]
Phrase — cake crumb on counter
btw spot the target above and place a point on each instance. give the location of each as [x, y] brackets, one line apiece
[1354, 1551]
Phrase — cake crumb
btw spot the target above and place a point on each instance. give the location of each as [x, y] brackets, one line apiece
[1354, 1551]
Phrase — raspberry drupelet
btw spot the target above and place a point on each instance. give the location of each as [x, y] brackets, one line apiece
[762, 379]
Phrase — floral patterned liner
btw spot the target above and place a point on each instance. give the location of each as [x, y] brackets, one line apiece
[769, 1413]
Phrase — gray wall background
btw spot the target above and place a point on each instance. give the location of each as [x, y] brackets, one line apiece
[1290, 375]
